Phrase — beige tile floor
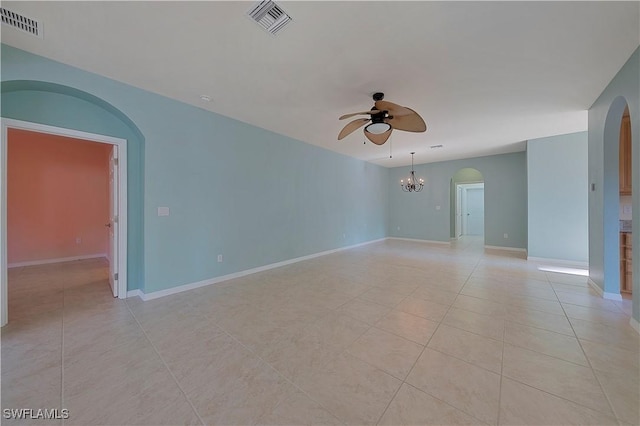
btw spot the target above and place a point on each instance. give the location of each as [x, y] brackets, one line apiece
[389, 333]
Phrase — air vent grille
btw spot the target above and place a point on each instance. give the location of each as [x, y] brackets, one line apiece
[270, 16]
[21, 22]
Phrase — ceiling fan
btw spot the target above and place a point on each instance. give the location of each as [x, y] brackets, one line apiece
[385, 116]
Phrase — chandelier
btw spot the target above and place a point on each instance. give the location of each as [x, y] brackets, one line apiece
[412, 184]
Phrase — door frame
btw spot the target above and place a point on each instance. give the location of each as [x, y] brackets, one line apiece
[7, 124]
[458, 212]
[463, 208]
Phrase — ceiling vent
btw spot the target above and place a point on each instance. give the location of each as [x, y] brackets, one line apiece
[21, 22]
[270, 16]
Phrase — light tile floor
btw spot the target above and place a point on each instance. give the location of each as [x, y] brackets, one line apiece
[390, 333]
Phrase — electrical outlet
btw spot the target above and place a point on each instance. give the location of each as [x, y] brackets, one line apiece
[506, 235]
[398, 228]
[437, 207]
[219, 258]
[78, 240]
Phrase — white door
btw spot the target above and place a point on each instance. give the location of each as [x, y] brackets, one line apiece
[475, 211]
[113, 220]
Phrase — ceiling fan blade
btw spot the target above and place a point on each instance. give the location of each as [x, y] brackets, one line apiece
[394, 109]
[353, 126]
[373, 111]
[409, 123]
[378, 139]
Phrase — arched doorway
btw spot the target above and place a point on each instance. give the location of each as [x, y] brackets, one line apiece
[616, 194]
[626, 224]
[61, 107]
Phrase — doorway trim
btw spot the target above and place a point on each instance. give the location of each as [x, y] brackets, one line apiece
[7, 124]
[460, 198]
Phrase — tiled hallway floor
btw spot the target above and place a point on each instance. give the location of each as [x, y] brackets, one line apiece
[389, 333]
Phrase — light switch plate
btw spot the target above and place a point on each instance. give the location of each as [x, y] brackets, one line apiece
[163, 211]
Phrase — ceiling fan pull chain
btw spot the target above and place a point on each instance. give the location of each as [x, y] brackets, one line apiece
[390, 145]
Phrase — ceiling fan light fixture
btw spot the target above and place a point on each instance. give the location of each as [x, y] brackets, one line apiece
[384, 117]
[377, 128]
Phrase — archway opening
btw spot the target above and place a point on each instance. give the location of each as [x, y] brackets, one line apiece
[626, 224]
[63, 107]
[616, 199]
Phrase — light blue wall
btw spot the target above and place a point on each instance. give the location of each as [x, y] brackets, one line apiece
[604, 128]
[558, 184]
[505, 182]
[253, 196]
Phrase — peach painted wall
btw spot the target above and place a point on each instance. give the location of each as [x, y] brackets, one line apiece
[57, 191]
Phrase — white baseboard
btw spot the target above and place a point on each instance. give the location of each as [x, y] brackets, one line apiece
[135, 293]
[519, 250]
[612, 296]
[215, 280]
[596, 287]
[58, 260]
[560, 262]
[602, 293]
[634, 324]
[417, 240]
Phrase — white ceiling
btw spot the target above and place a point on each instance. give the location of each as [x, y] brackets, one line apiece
[485, 76]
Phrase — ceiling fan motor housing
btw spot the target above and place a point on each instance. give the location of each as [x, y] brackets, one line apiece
[379, 117]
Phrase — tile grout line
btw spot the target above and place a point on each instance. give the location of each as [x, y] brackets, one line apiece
[590, 366]
[504, 332]
[425, 347]
[343, 351]
[155, 349]
[287, 379]
[291, 382]
[502, 377]
[504, 328]
[560, 397]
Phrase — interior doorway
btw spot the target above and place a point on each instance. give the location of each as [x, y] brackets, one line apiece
[112, 226]
[467, 203]
[471, 206]
[625, 186]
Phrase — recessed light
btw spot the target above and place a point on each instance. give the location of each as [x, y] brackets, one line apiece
[205, 98]
[436, 146]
